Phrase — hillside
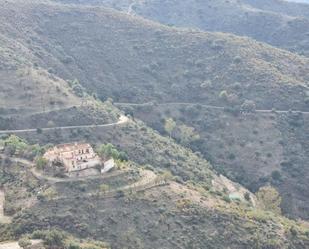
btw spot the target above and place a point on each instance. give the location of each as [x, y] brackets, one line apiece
[254, 149]
[169, 215]
[279, 23]
[134, 60]
[60, 61]
[26, 86]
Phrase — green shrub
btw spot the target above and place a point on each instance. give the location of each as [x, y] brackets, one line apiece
[276, 175]
[247, 196]
[226, 199]
[54, 238]
[41, 163]
[110, 151]
[24, 242]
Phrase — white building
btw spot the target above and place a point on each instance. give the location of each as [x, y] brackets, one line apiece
[74, 157]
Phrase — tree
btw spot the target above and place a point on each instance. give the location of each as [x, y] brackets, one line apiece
[276, 175]
[187, 134]
[248, 106]
[41, 163]
[39, 131]
[247, 196]
[164, 177]
[108, 150]
[24, 243]
[15, 144]
[51, 124]
[269, 199]
[55, 238]
[77, 88]
[169, 126]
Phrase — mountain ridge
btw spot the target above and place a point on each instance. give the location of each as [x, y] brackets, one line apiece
[284, 24]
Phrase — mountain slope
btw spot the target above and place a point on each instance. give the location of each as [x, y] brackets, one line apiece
[171, 215]
[275, 22]
[25, 85]
[96, 46]
[134, 60]
[255, 149]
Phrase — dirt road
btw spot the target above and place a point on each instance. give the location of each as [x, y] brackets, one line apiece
[122, 120]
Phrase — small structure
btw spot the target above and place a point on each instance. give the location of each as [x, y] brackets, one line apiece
[75, 157]
[108, 165]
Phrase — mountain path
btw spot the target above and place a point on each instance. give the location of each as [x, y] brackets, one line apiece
[122, 120]
[208, 106]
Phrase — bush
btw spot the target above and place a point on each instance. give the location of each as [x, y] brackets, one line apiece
[276, 175]
[110, 151]
[48, 194]
[15, 144]
[41, 163]
[237, 59]
[119, 194]
[269, 199]
[54, 238]
[247, 196]
[24, 242]
[226, 199]
[248, 106]
[77, 88]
